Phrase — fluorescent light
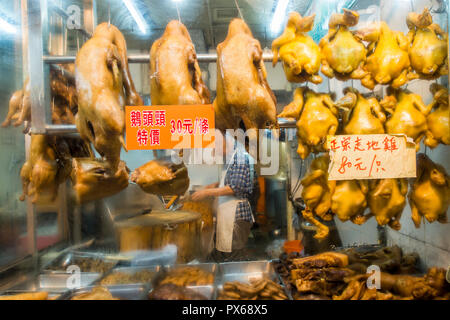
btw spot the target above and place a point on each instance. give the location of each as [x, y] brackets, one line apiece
[177, 0]
[278, 16]
[137, 16]
[6, 26]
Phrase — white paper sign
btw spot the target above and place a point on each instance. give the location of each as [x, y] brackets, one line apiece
[371, 156]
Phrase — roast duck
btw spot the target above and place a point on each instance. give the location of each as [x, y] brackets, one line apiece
[430, 192]
[104, 87]
[428, 45]
[162, 177]
[49, 164]
[387, 56]
[63, 96]
[438, 121]
[297, 50]
[175, 76]
[407, 114]
[317, 118]
[343, 54]
[244, 97]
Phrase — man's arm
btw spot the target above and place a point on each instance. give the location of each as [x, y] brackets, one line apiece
[212, 192]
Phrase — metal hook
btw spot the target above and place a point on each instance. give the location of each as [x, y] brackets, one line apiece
[178, 12]
[239, 10]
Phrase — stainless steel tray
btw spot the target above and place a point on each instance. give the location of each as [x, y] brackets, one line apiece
[64, 260]
[123, 292]
[130, 270]
[208, 267]
[208, 291]
[245, 271]
[54, 282]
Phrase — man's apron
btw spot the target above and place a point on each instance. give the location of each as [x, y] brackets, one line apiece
[226, 214]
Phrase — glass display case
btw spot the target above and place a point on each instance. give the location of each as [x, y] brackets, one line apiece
[39, 43]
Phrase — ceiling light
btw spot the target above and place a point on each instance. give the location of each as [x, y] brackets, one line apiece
[6, 26]
[278, 16]
[137, 16]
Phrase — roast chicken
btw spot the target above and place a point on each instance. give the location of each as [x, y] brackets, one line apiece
[175, 76]
[430, 193]
[317, 119]
[104, 87]
[343, 54]
[348, 200]
[361, 115]
[298, 51]
[407, 114]
[92, 179]
[243, 93]
[428, 45]
[387, 198]
[317, 195]
[162, 178]
[438, 121]
[387, 58]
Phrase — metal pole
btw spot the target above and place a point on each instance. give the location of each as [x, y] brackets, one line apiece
[144, 58]
[38, 70]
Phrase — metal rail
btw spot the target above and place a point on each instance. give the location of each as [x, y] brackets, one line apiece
[71, 129]
[144, 58]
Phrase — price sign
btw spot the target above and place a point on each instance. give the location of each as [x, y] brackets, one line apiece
[372, 156]
[169, 127]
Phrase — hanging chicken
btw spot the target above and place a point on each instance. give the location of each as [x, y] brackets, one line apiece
[438, 121]
[428, 45]
[387, 58]
[317, 119]
[243, 93]
[175, 76]
[104, 87]
[298, 51]
[92, 179]
[162, 178]
[348, 200]
[430, 193]
[387, 198]
[343, 54]
[407, 114]
[361, 115]
[316, 194]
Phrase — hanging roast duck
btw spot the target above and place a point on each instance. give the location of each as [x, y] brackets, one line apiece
[243, 93]
[175, 76]
[104, 87]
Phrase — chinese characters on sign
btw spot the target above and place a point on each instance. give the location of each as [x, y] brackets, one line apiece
[374, 156]
[169, 127]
